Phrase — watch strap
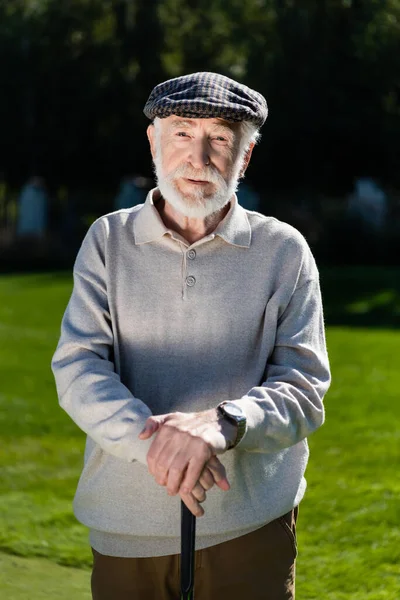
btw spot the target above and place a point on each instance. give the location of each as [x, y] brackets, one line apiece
[241, 424]
[240, 432]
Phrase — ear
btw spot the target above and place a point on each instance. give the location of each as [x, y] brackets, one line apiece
[151, 137]
[246, 159]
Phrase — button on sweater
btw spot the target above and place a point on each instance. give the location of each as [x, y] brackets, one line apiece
[156, 325]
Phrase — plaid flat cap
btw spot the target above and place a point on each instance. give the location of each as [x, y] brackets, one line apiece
[206, 95]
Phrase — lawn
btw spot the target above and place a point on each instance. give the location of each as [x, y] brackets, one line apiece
[348, 529]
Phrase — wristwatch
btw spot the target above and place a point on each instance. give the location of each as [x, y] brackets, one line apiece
[234, 414]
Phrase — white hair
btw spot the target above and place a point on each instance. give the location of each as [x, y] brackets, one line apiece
[250, 134]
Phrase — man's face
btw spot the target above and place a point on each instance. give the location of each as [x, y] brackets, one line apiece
[197, 162]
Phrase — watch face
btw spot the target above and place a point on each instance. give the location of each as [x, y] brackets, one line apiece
[233, 409]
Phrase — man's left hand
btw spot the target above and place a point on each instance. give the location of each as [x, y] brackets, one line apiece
[185, 442]
[213, 474]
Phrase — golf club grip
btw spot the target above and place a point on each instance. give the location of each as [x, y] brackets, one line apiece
[188, 540]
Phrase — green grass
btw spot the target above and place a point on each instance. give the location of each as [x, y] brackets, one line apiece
[41, 448]
[348, 527]
[362, 296]
[349, 522]
[41, 579]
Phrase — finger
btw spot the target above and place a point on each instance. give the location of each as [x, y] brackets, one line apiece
[151, 426]
[194, 469]
[160, 454]
[192, 504]
[177, 472]
[199, 493]
[169, 467]
[219, 473]
[206, 479]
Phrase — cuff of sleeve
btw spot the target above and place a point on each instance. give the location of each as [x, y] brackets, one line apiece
[130, 447]
[141, 450]
[254, 419]
[140, 447]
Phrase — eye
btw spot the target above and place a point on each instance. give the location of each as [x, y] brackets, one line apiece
[182, 134]
[221, 140]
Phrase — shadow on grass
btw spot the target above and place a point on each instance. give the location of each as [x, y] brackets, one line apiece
[355, 296]
[361, 296]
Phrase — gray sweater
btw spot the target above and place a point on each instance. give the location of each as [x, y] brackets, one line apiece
[156, 325]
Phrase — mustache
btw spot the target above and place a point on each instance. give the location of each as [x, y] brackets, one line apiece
[207, 174]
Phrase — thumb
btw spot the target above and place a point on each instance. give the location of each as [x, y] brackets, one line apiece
[151, 426]
[218, 472]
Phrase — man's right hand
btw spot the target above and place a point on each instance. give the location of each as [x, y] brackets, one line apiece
[213, 474]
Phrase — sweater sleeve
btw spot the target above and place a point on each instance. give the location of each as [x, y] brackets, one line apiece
[88, 387]
[288, 406]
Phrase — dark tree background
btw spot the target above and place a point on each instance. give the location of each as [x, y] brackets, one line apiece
[75, 75]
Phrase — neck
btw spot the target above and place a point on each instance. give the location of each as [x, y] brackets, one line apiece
[191, 229]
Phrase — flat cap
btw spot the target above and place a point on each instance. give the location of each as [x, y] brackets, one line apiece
[206, 95]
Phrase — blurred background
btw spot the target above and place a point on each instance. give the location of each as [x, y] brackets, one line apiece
[77, 73]
[75, 76]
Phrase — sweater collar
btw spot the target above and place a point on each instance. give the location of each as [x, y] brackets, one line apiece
[234, 228]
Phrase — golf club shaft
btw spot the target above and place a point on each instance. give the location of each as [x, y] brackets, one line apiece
[188, 540]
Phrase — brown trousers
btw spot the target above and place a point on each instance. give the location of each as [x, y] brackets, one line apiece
[256, 566]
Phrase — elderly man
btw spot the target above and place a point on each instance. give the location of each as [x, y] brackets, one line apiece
[192, 353]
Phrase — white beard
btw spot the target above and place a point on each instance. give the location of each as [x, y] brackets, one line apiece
[197, 204]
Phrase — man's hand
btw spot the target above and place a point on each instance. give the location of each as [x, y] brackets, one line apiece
[185, 442]
[213, 473]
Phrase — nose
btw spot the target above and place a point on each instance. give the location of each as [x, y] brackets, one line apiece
[199, 153]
